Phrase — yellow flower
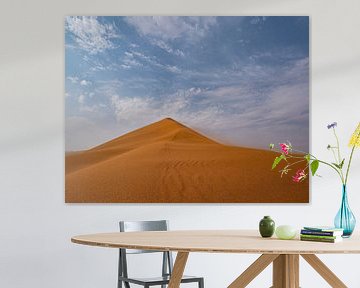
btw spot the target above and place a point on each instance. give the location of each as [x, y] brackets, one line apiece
[355, 138]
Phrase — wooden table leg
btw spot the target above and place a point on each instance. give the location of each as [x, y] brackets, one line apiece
[286, 271]
[293, 264]
[253, 270]
[178, 269]
[324, 271]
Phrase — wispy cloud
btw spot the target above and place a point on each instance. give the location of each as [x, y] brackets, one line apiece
[149, 109]
[129, 61]
[91, 35]
[76, 80]
[169, 28]
[136, 59]
[81, 99]
[166, 47]
[73, 79]
[85, 83]
[258, 20]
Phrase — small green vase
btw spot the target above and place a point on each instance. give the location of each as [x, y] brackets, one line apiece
[267, 227]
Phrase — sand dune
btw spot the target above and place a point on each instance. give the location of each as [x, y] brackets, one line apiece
[169, 162]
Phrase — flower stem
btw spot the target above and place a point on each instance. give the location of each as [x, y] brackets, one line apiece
[339, 155]
[296, 162]
[337, 170]
[351, 156]
[314, 158]
[348, 168]
[337, 145]
[326, 163]
[333, 152]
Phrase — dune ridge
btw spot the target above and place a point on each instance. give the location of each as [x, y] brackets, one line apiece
[168, 162]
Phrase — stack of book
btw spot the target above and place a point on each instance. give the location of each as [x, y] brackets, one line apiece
[321, 234]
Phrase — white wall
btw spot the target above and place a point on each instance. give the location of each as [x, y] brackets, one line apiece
[36, 225]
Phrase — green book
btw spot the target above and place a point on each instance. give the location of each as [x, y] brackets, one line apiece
[325, 240]
[319, 236]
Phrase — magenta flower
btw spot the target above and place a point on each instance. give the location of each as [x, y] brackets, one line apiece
[285, 148]
[299, 176]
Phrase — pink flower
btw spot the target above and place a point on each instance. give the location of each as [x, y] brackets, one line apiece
[299, 176]
[285, 148]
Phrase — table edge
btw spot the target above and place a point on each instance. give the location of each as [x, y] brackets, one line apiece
[203, 250]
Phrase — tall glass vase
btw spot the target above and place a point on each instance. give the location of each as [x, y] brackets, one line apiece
[345, 219]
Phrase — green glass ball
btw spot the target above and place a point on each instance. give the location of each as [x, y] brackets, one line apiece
[285, 232]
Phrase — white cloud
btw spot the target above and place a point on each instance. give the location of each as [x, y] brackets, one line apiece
[72, 79]
[81, 99]
[87, 108]
[85, 83]
[94, 63]
[163, 45]
[172, 27]
[173, 69]
[140, 111]
[91, 35]
[135, 59]
[125, 66]
[133, 110]
[298, 70]
[236, 93]
[129, 60]
[76, 80]
[258, 20]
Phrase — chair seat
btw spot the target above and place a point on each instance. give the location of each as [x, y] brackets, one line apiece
[158, 280]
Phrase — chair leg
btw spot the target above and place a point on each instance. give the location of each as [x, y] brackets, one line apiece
[201, 283]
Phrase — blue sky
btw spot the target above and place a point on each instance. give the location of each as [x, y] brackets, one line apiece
[240, 80]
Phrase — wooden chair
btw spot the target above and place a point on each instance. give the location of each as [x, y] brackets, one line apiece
[167, 262]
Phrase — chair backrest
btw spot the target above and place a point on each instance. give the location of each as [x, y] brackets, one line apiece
[138, 226]
[133, 226]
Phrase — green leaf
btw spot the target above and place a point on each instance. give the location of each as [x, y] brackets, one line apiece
[342, 163]
[307, 157]
[278, 160]
[314, 167]
[339, 166]
[336, 165]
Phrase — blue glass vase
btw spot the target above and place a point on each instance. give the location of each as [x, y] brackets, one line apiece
[345, 219]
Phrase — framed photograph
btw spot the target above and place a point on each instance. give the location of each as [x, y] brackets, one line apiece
[165, 109]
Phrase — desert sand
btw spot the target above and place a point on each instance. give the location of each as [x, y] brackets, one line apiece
[168, 162]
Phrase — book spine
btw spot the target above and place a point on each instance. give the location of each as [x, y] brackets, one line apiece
[317, 239]
[319, 233]
[318, 236]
